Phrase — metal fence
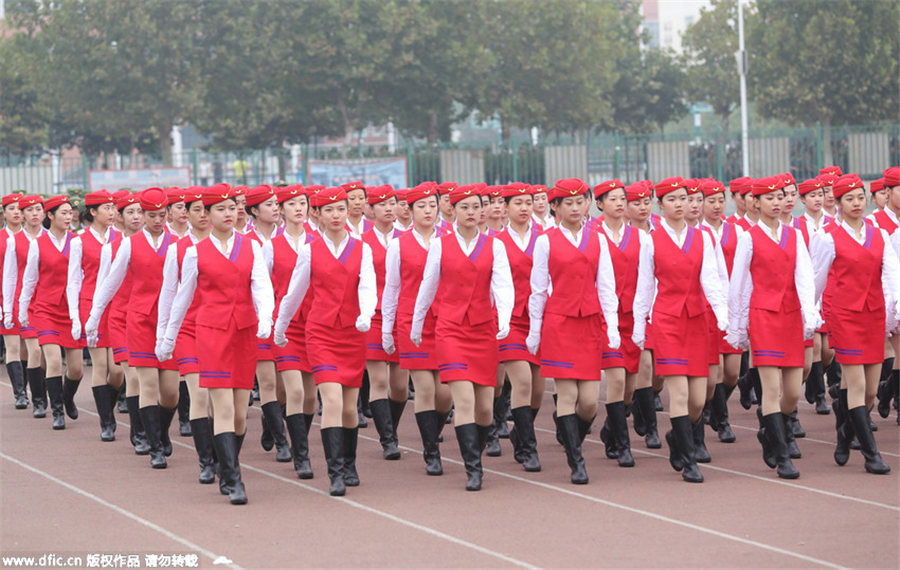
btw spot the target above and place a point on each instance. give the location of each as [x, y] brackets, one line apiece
[866, 150]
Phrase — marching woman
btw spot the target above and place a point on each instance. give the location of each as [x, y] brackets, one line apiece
[292, 361]
[726, 235]
[176, 212]
[861, 272]
[84, 266]
[141, 257]
[185, 351]
[338, 268]
[621, 365]
[262, 207]
[572, 282]
[639, 197]
[465, 271]
[43, 304]
[357, 223]
[404, 220]
[542, 215]
[886, 219]
[772, 310]
[389, 384]
[740, 208]
[14, 259]
[404, 269]
[15, 367]
[522, 367]
[445, 223]
[495, 211]
[678, 271]
[228, 273]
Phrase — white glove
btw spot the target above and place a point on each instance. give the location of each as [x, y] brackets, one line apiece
[7, 320]
[363, 324]
[23, 318]
[615, 341]
[733, 337]
[164, 349]
[416, 337]
[387, 342]
[897, 311]
[722, 324]
[76, 329]
[638, 338]
[533, 341]
[264, 329]
[503, 332]
[279, 338]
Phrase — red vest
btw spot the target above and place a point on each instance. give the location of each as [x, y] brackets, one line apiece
[625, 257]
[772, 268]
[50, 292]
[412, 269]
[22, 245]
[335, 284]
[745, 224]
[379, 253]
[90, 263]
[146, 267]
[181, 248]
[800, 225]
[728, 244]
[120, 300]
[677, 272]
[284, 259]
[465, 288]
[224, 285]
[520, 263]
[856, 270]
[885, 222]
[573, 274]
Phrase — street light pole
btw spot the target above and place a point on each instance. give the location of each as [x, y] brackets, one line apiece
[741, 56]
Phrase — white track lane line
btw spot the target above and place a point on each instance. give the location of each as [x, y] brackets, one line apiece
[122, 511]
[812, 440]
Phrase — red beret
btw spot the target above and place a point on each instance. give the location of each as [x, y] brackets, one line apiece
[637, 191]
[259, 194]
[329, 196]
[54, 201]
[538, 189]
[445, 187]
[827, 179]
[126, 200]
[239, 190]
[876, 185]
[193, 194]
[466, 191]
[710, 187]
[569, 187]
[493, 191]
[11, 199]
[351, 186]
[99, 197]
[289, 192]
[30, 200]
[737, 184]
[832, 171]
[378, 194]
[692, 185]
[847, 183]
[517, 189]
[420, 191]
[401, 194]
[787, 179]
[607, 186]
[669, 185]
[808, 186]
[765, 185]
[892, 176]
[153, 199]
[218, 193]
[175, 195]
[314, 189]
[119, 194]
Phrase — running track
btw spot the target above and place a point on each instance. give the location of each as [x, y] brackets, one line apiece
[70, 494]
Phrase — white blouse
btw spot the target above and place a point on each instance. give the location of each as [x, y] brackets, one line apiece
[11, 272]
[76, 272]
[32, 273]
[392, 280]
[169, 286]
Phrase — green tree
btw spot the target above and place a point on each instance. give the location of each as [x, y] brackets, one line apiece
[834, 62]
[709, 46]
[24, 120]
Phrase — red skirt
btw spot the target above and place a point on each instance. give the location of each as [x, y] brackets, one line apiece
[725, 348]
[54, 329]
[412, 357]
[24, 332]
[9, 331]
[186, 349]
[713, 338]
[227, 357]
[513, 346]
[336, 355]
[571, 347]
[374, 349]
[84, 311]
[648, 337]
[117, 340]
[680, 345]
[140, 337]
[776, 338]
[857, 337]
[264, 349]
[628, 355]
[293, 356]
[467, 352]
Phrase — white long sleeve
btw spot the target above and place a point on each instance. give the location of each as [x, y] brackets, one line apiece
[367, 290]
[296, 291]
[268, 253]
[390, 296]
[112, 280]
[645, 291]
[29, 279]
[168, 290]
[503, 291]
[710, 279]
[75, 278]
[10, 275]
[741, 287]
[431, 278]
[103, 269]
[540, 283]
[606, 286]
[183, 297]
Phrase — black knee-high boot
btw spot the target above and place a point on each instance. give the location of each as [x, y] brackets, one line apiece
[644, 399]
[150, 415]
[333, 444]
[272, 413]
[776, 432]
[308, 418]
[224, 487]
[843, 428]
[470, 438]
[682, 434]
[70, 387]
[746, 384]
[790, 434]
[38, 391]
[17, 379]
[885, 387]
[859, 417]
[397, 409]
[165, 420]
[701, 454]
[185, 428]
[296, 428]
[121, 403]
[618, 426]
[228, 451]
[55, 393]
[570, 431]
[103, 399]
[381, 416]
[201, 431]
[523, 419]
[505, 412]
[719, 409]
[351, 437]
[430, 423]
[493, 449]
[138, 436]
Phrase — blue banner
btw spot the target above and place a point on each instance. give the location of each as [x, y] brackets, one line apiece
[374, 172]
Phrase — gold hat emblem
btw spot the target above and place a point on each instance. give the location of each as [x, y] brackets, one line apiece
[427, 191]
[772, 187]
[467, 192]
[159, 205]
[674, 184]
[382, 196]
[332, 197]
[612, 184]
